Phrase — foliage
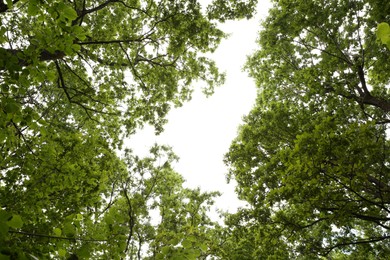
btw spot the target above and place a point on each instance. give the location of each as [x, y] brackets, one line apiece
[312, 156]
[125, 221]
[76, 78]
[229, 9]
[383, 34]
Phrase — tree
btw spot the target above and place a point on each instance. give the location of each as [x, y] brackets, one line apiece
[125, 222]
[312, 156]
[76, 78]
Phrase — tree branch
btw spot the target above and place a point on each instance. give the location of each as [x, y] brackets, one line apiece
[365, 241]
[302, 42]
[20, 132]
[377, 102]
[131, 219]
[110, 41]
[84, 12]
[62, 85]
[101, 61]
[371, 218]
[43, 56]
[56, 237]
[349, 188]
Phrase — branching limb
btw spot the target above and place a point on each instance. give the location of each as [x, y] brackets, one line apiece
[357, 242]
[56, 237]
[131, 219]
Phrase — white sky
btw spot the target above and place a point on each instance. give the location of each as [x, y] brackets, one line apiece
[201, 131]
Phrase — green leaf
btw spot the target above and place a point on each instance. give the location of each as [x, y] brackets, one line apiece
[84, 252]
[68, 12]
[57, 231]
[15, 222]
[186, 243]
[61, 252]
[11, 107]
[3, 229]
[79, 32]
[10, 4]
[383, 33]
[51, 75]
[69, 229]
[165, 250]
[174, 241]
[193, 255]
[203, 247]
[33, 7]
[76, 47]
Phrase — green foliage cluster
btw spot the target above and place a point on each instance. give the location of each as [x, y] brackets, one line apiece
[312, 157]
[76, 78]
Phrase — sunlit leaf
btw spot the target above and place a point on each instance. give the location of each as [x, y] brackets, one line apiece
[15, 222]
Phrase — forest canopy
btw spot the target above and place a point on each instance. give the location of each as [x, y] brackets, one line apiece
[78, 77]
[312, 157]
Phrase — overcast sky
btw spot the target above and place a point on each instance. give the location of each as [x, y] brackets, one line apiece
[201, 131]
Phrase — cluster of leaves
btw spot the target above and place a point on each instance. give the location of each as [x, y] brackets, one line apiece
[76, 78]
[312, 158]
[144, 213]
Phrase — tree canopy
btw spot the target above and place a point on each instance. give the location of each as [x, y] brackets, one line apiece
[312, 157]
[76, 78]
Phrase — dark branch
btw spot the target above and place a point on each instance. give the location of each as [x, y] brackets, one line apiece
[307, 45]
[131, 219]
[43, 56]
[101, 61]
[48, 56]
[111, 41]
[365, 241]
[84, 12]
[56, 237]
[62, 85]
[377, 102]
[20, 132]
